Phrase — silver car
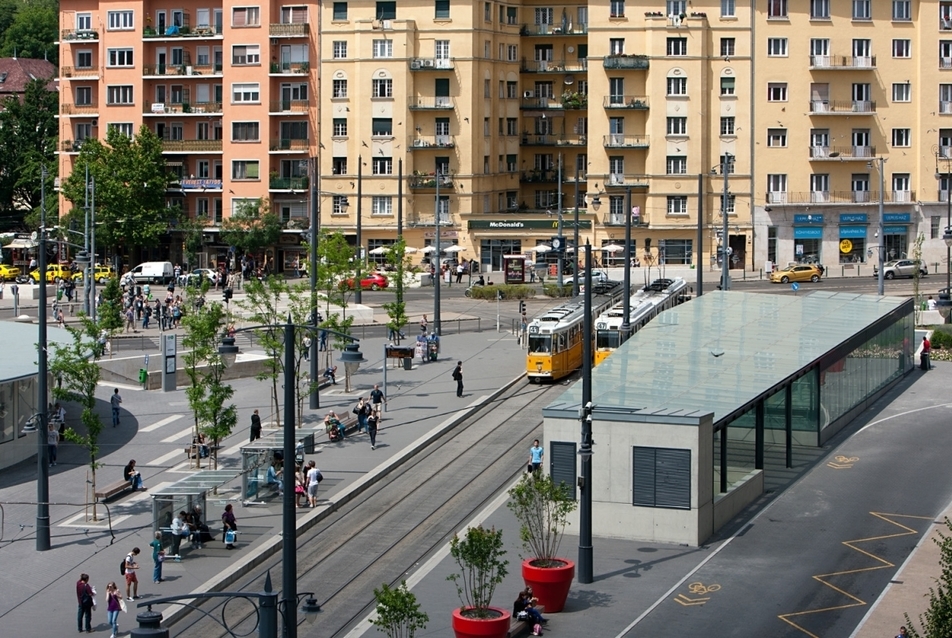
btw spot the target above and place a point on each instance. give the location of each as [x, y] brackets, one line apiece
[901, 268]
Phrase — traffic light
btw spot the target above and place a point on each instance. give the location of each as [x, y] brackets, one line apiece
[227, 293]
[522, 307]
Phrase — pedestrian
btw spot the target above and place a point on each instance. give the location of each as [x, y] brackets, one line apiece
[158, 555]
[229, 527]
[361, 411]
[931, 304]
[459, 272]
[130, 320]
[52, 441]
[902, 632]
[131, 474]
[132, 582]
[255, 426]
[378, 399]
[200, 532]
[458, 377]
[372, 430]
[179, 531]
[536, 453]
[307, 348]
[84, 600]
[423, 324]
[322, 341]
[114, 605]
[314, 477]
[61, 318]
[924, 362]
[115, 400]
[146, 315]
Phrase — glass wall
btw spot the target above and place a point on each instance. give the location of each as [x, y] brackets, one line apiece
[17, 405]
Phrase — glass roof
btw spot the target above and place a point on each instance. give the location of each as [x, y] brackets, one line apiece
[19, 344]
[198, 482]
[720, 351]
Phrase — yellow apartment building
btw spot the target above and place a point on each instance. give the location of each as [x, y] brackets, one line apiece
[508, 121]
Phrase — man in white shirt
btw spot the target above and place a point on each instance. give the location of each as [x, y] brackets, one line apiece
[179, 531]
[313, 479]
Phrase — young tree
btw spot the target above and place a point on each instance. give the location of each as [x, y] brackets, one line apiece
[917, 255]
[936, 621]
[110, 311]
[253, 227]
[192, 240]
[75, 366]
[398, 612]
[261, 301]
[397, 309]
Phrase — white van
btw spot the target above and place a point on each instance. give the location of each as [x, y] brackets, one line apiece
[150, 272]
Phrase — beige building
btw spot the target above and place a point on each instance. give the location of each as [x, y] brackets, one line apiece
[486, 107]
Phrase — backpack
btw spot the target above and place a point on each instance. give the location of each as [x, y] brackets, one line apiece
[122, 567]
[320, 477]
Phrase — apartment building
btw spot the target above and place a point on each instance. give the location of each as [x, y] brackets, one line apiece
[501, 120]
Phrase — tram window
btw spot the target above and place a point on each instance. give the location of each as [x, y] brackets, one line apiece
[561, 342]
[539, 344]
[607, 339]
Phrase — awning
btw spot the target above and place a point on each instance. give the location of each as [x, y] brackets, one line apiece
[21, 243]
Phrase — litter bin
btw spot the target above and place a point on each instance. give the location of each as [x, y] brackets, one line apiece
[308, 444]
[143, 376]
[924, 363]
[407, 363]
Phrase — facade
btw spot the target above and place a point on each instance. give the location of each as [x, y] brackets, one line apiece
[503, 119]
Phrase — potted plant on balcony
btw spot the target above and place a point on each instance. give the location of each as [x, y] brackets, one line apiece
[479, 554]
[542, 507]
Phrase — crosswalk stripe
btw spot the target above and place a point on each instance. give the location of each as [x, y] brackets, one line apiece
[169, 419]
[179, 435]
[165, 458]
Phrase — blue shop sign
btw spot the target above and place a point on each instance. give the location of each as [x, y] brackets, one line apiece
[852, 232]
[895, 230]
[808, 219]
[897, 218]
[799, 232]
[854, 218]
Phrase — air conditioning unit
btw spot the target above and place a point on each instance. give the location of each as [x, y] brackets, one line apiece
[428, 63]
[95, 122]
[414, 64]
[529, 95]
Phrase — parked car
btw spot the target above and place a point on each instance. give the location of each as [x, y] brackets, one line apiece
[373, 281]
[8, 273]
[797, 272]
[55, 273]
[150, 272]
[198, 275]
[901, 268]
[102, 274]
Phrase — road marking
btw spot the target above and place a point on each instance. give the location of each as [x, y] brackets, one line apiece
[179, 435]
[698, 590]
[907, 412]
[841, 462]
[103, 523]
[165, 458]
[124, 386]
[169, 419]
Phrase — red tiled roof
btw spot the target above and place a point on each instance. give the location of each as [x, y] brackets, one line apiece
[19, 72]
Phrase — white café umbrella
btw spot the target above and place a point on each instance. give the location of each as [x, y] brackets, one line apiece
[428, 250]
[409, 250]
[454, 249]
[380, 250]
[612, 248]
[541, 248]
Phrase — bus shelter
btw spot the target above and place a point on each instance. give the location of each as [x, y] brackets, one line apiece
[183, 495]
[258, 456]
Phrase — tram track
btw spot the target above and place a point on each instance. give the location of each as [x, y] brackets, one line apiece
[379, 536]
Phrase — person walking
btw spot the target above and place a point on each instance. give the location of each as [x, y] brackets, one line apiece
[113, 607]
[536, 454]
[423, 324]
[377, 399]
[115, 400]
[459, 272]
[132, 582]
[84, 600]
[229, 527]
[372, 430]
[158, 555]
[362, 410]
[458, 377]
[314, 477]
[52, 440]
[255, 426]
[130, 320]
[924, 362]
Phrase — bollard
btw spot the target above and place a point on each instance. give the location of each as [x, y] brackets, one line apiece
[150, 626]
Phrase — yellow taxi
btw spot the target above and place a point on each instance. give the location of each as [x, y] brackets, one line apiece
[102, 274]
[54, 274]
[8, 273]
[797, 272]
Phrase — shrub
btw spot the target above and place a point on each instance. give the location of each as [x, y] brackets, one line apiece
[941, 339]
[553, 290]
[479, 555]
[509, 291]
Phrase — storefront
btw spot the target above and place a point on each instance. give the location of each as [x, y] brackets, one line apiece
[808, 238]
[896, 230]
[852, 246]
[495, 237]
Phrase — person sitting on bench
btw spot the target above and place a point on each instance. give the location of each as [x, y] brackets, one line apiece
[526, 603]
[131, 474]
[333, 425]
[274, 479]
[330, 374]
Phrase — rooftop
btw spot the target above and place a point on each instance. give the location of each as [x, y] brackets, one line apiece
[18, 342]
[16, 73]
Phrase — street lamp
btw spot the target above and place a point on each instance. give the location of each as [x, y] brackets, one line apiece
[945, 298]
[360, 248]
[42, 465]
[314, 401]
[437, 270]
[585, 559]
[882, 229]
[727, 166]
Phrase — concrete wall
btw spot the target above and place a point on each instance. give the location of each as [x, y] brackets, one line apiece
[729, 505]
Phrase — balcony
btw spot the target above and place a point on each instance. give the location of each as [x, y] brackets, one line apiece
[289, 68]
[289, 183]
[435, 142]
[619, 219]
[290, 144]
[200, 184]
[842, 62]
[532, 102]
[71, 146]
[295, 30]
[419, 181]
[625, 180]
[191, 146]
[639, 103]
[81, 35]
[431, 64]
[200, 32]
[437, 103]
[79, 109]
[565, 28]
[839, 197]
[622, 62]
[842, 153]
[842, 107]
[554, 66]
[540, 176]
[79, 72]
[184, 108]
[191, 70]
[615, 140]
[296, 107]
[554, 140]
[415, 219]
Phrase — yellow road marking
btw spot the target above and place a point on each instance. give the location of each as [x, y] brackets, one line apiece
[698, 589]
[841, 462]
[882, 564]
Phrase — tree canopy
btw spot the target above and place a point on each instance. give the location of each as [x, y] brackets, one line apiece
[253, 226]
[28, 29]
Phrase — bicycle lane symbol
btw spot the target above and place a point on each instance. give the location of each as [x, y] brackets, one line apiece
[699, 594]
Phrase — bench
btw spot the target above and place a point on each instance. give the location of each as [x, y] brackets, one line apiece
[112, 489]
[522, 627]
[349, 422]
[191, 451]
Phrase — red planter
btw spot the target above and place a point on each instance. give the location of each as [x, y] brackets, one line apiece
[549, 584]
[464, 627]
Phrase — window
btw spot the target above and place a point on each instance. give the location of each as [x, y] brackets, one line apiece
[676, 7]
[245, 132]
[661, 478]
[84, 21]
[676, 165]
[512, 52]
[442, 10]
[677, 86]
[776, 91]
[727, 47]
[616, 46]
[339, 88]
[339, 166]
[901, 48]
[820, 9]
[339, 205]
[340, 127]
[244, 169]
[677, 46]
[728, 8]
[512, 15]
[487, 12]
[617, 8]
[776, 184]
[511, 161]
[383, 48]
[123, 128]
[245, 17]
[120, 20]
[340, 11]
[861, 10]
[84, 95]
[935, 222]
[294, 15]
[945, 98]
[386, 10]
[777, 137]
[383, 88]
[382, 127]
[119, 95]
[616, 125]
[119, 57]
[902, 137]
[677, 126]
[727, 86]
[512, 127]
[900, 10]
[245, 92]
[512, 90]
[902, 92]
[777, 47]
[383, 166]
[727, 126]
[677, 205]
[84, 59]
[776, 8]
[340, 49]
[544, 15]
[382, 205]
[731, 200]
[245, 54]
[901, 185]
[731, 165]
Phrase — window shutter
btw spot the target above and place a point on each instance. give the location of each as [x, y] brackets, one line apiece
[562, 466]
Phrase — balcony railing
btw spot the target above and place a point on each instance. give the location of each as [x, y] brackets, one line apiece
[433, 142]
[183, 108]
[615, 140]
[289, 144]
[842, 153]
[431, 64]
[619, 219]
[615, 180]
[79, 72]
[420, 219]
[201, 31]
[439, 103]
[79, 109]
[625, 62]
[429, 181]
[842, 62]
[181, 69]
[191, 146]
[839, 197]
[85, 35]
[295, 30]
[554, 140]
[552, 29]
[289, 106]
[636, 102]
[554, 66]
[290, 68]
[539, 102]
[71, 146]
[547, 176]
[289, 183]
[842, 107]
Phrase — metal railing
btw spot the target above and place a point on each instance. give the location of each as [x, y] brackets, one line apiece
[439, 102]
[289, 144]
[79, 34]
[548, 176]
[625, 102]
[619, 219]
[433, 142]
[554, 66]
[842, 62]
[294, 30]
[79, 71]
[842, 152]
[193, 146]
[431, 64]
[553, 29]
[289, 106]
[839, 197]
[615, 140]
[614, 180]
[429, 181]
[625, 62]
[289, 183]
[79, 109]
[842, 106]
[554, 140]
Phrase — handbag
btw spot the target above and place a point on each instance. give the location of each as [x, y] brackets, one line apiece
[299, 489]
[122, 604]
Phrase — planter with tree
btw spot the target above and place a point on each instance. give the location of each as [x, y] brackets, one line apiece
[479, 555]
[542, 507]
[398, 612]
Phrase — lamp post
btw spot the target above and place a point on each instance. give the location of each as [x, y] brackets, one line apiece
[726, 167]
[882, 228]
[314, 401]
[42, 464]
[559, 257]
[360, 248]
[585, 569]
[350, 356]
[626, 304]
[437, 270]
[945, 298]
[575, 232]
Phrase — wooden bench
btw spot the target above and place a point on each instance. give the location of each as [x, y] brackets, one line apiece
[522, 627]
[112, 489]
[349, 422]
[191, 451]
